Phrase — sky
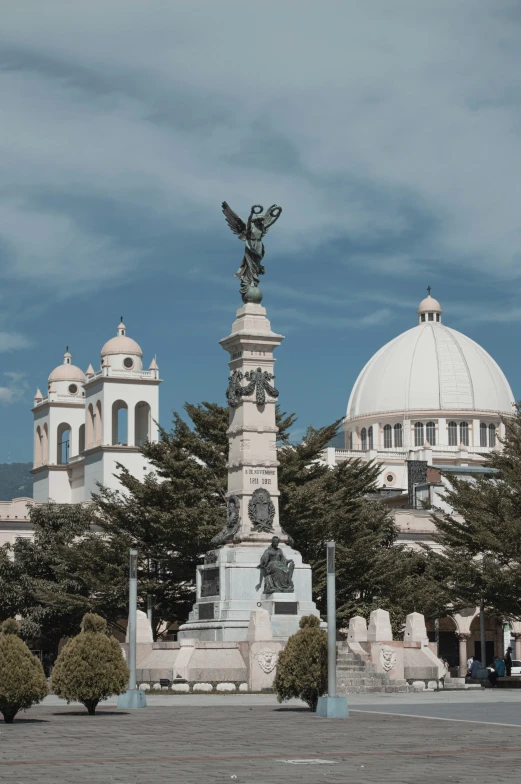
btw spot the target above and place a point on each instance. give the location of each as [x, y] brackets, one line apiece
[390, 133]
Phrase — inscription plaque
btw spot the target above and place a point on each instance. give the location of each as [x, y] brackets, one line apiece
[210, 582]
[206, 611]
[286, 608]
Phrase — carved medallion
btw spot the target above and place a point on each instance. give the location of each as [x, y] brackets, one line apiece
[267, 659]
[261, 510]
[387, 658]
[259, 382]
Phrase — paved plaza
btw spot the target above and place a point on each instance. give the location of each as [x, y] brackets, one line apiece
[465, 737]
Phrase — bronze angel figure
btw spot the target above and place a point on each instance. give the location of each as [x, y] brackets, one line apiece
[251, 233]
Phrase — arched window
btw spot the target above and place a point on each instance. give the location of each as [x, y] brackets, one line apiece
[430, 429]
[45, 444]
[370, 437]
[141, 423]
[119, 422]
[363, 438]
[81, 439]
[398, 435]
[483, 434]
[63, 435]
[388, 436]
[464, 433]
[453, 434]
[492, 435]
[90, 426]
[38, 447]
[98, 423]
[350, 440]
[418, 434]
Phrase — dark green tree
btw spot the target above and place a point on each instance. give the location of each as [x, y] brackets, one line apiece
[302, 666]
[91, 666]
[22, 680]
[480, 561]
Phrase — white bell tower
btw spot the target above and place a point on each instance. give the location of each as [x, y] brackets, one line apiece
[121, 408]
[59, 432]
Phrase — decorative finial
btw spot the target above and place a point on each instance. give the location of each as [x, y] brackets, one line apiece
[429, 290]
[66, 349]
[121, 319]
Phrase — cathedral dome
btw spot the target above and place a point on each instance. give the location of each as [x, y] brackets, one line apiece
[67, 371]
[430, 368]
[121, 344]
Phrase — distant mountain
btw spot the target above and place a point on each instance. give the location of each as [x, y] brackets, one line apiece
[15, 481]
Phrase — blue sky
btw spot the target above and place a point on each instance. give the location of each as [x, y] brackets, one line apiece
[389, 132]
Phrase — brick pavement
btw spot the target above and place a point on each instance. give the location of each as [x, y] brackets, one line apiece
[196, 744]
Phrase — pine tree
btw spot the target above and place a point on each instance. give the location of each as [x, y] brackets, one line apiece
[480, 560]
[91, 666]
[302, 666]
[22, 679]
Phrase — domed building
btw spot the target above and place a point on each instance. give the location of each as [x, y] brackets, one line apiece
[89, 422]
[430, 396]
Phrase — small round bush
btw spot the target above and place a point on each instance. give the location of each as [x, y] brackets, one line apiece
[22, 679]
[91, 666]
[302, 666]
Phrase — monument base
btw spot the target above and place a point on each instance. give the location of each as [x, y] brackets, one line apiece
[332, 708]
[228, 592]
[132, 698]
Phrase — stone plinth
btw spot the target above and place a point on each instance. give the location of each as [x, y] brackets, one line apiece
[357, 629]
[379, 627]
[415, 629]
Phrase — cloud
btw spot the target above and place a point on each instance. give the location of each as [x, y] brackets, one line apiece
[389, 135]
[9, 341]
[14, 389]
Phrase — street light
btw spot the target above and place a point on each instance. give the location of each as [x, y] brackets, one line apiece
[133, 697]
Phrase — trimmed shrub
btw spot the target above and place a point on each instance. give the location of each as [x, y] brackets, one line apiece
[22, 679]
[91, 666]
[302, 666]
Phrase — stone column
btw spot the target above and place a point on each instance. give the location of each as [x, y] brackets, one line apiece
[252, 463]
[463, 653]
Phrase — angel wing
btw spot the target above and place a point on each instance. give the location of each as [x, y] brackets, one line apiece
[235, 223]
[271, 216]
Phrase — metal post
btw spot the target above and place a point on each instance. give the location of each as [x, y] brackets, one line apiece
[132, 610]
[482, 632]
[331, 707]
[331, 621]
[133, 697]
[149, 608]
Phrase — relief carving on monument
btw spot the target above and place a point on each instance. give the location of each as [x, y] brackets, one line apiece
[267, 659]
[261, 511]
[387, 658]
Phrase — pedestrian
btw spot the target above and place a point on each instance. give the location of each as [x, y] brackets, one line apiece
[498, 671]
[469, 664]
[508, 662]
[445, 662]
[475, 666]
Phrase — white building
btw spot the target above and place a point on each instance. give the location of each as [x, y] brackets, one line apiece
[89, 422]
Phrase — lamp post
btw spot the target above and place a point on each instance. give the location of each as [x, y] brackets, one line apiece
[332, 706]
[133, 697]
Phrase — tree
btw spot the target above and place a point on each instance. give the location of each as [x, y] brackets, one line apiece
[480, 561]
[91, 666]
[22, 679]
[302, 666]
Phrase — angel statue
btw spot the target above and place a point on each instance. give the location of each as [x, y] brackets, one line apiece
[251, 233]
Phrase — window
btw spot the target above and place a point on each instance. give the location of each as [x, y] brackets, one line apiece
[398, 436]
[418, 434]
[453, 434]
[431, 316]
[388, 437]
[464, 433]
[350, 440]
[363, 438]
[431, 433]
[370, 434]
[73, 389]
[128, 362]
[390, 478]
[422, 316]
[492, 435]
[437, 316]
[482, 434]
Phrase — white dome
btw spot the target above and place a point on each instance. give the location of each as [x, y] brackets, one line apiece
[121, 344]
[67, 371]
[430, 368]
